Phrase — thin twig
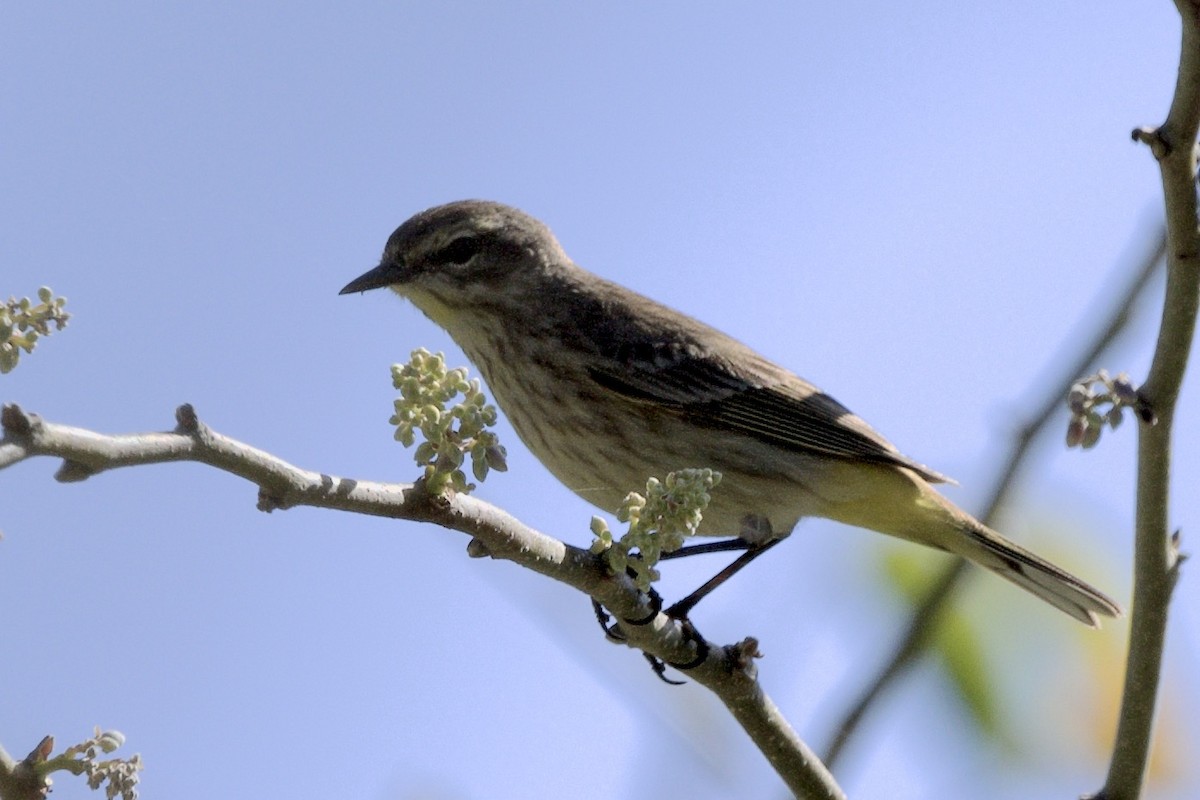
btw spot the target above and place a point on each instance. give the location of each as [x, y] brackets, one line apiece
[728, 671]
[924, 619]
[1156, 556]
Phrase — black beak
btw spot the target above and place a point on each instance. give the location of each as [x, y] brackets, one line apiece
[378, 278]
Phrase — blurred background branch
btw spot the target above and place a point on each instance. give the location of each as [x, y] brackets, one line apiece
[1077, 360]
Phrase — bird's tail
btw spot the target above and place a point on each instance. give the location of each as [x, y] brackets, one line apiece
[901, 503]
[1056, 586]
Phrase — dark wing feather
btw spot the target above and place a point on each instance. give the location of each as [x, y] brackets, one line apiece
[758, 399]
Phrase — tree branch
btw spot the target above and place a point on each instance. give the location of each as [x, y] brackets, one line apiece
[20, 780]
[926, 616]
[1156, 556]
[728, 671]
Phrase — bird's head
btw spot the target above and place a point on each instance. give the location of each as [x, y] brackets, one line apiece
[465, 256]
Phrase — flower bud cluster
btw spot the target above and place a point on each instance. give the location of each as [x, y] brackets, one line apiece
[1098, 401]
[22, 323]
[450, 433]
[120, 774]
[659, 520]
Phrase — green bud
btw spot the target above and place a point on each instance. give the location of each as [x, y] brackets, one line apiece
[110, 740]
[450, 459]
[497, 457]
[479, 468]
[425, 453]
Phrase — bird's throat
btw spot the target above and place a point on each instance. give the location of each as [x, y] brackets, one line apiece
[431, 306]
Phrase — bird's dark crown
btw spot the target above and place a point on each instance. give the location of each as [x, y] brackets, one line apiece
[448, 239]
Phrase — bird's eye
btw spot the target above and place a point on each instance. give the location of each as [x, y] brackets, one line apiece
[458, 251]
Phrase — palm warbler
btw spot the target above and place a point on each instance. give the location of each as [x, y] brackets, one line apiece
[607, 387]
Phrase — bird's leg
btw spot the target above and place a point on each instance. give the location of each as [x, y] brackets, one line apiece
[756, 537]
[723, 546]
[681, 609]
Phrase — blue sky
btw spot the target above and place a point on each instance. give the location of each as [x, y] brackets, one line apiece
[915, 206]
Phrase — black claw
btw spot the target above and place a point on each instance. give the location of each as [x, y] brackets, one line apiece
[655, 607]
[611, 632]
[660, 669]
[601, 615]
[690, 634]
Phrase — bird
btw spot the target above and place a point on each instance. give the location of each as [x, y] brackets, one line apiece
[607, 387]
